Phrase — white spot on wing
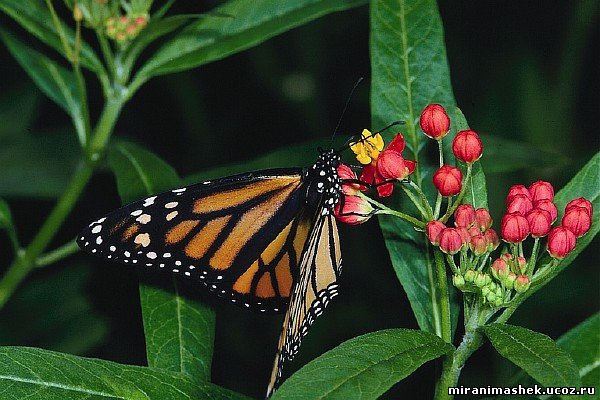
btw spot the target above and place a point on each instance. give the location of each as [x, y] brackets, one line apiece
[151, 255]
[97, 229]
[172, 204]
[143, 239]
[149, 201]
[172, 215]
[144, 218]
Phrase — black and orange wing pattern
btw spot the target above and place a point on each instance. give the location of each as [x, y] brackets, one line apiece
[262, 239]
[242, 235]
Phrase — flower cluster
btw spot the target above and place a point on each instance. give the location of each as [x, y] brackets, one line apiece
[472, 231]
[531, 211]
[124, 27]
[463, 235]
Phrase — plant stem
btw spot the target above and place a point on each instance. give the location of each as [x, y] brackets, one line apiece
[424, 200]
[25, 261]
[104, 128]
[444, 298]
[57, 254]
[454, 363]
[60, 31]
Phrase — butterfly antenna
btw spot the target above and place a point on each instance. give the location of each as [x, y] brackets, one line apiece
[347, 144]
[345, 108]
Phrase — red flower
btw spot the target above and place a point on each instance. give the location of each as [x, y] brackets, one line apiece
[522, 283]
[390, 165]
[514, 228]
[450, 241]
[353, 210]
[465, 236]
[448, 180]
[519, 203]
[434, 121]
[577, 220]
[345, 173]
[541, 190]
[547, 205]
[467, 146]
[500, 269]
[397, 143]
[433, 230]
[539, 222]
[515, 190]
[483, 219]
[492, 239]
[561, 241]
[580, 202]
[478, 245]
[464, 216]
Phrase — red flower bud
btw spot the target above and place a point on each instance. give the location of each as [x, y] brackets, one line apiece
[541, 190]
[397, 143]
[580, 202]
[474, 231]
[514, 228]
[577, 220]
[464, 235]
[141, 20]
[434, 121]
[522, 283]
[345, 173]
[450, 241]
[483, 219]
[561, 241]
[353, 210]
[467, 146]
[464, 216]
[390, 165]
[515, 190]
[448, 180]
[547, 205]
[478, 245]
[539, 222]
[520, 204]
[500, 269]
[492, 238]
[433, 230]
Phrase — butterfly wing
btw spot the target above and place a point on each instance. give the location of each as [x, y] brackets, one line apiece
[319, 269]
[239, 235]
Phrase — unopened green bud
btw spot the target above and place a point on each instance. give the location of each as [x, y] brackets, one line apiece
[458, 281]
[522, 283]
[470, 276]
[498, 302]
[509, 281]
[480, 280]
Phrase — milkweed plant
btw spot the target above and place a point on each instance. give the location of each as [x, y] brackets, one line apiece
[465, 262]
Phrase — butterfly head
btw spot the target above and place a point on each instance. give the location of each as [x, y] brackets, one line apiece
[324, 184]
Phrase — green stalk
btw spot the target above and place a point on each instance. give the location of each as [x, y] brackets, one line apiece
[424, 201]
[444, 298]
[25, 261]
[57, 254]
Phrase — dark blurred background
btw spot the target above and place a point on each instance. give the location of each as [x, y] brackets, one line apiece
[520, 71]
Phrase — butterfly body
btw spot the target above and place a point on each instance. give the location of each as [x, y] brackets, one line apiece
[266, 240]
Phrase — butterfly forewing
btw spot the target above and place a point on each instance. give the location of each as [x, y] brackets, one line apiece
[239, 235]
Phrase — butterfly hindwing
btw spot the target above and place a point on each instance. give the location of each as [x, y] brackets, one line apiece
[239, 235]
[319, 269]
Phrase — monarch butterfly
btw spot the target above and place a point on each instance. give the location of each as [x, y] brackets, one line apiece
[264, 240]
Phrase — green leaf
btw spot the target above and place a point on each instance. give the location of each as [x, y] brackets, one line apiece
[409, 71]
[52, 79]
[38, 165]
[139, 172]
[34, 16]
[501, 155]
[5, 215]
[364, 367]
[17, 111]
[536, 353]
[581, 343]
[38, 374]
[53, 313]
[179, 331]
[251, 22]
